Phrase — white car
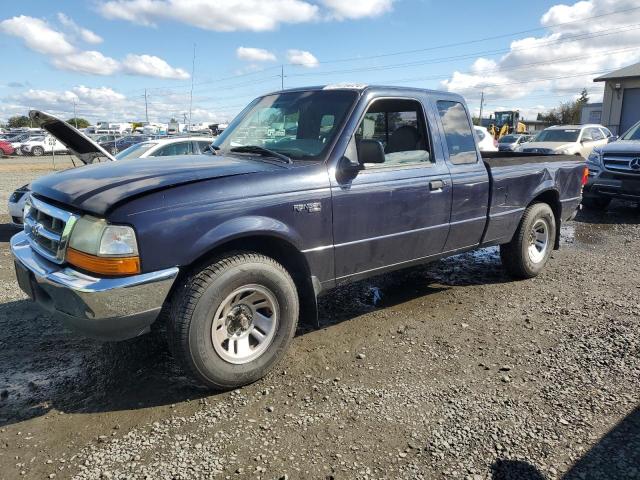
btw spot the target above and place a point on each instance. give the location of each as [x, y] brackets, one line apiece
[568, 140]
[166, 146]
[38, 146]
[485, 141]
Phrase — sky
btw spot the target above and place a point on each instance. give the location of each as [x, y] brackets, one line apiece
[101, 56]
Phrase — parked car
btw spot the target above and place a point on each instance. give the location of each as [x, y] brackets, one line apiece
[614, 171]
[102, 138]
[485, 140]
[164, 147]
[122, 143]
[510, 142]
[77, 143]
[6, 148]
[232, 248]
[38, 146]
[17, 141]
[568, 140]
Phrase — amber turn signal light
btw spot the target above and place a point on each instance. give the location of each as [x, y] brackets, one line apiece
[585, 176]
[111, 266]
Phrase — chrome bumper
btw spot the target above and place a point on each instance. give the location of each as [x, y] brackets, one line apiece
[102, 308]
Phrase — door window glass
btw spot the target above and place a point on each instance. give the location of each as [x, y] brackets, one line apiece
[399, 126]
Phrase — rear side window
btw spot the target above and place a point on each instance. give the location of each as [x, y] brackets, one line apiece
[458, 133]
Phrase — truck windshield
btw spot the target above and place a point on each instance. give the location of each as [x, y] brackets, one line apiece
[633, 133]
[558, 135]
[300, 125]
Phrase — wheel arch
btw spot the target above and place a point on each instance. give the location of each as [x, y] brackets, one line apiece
[272, 245]
[551, 197]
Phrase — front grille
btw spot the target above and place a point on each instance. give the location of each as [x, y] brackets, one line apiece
[623, 164]
[48, 229]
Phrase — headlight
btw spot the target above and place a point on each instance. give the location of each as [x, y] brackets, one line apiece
[562, 151]
[595, 157]
[101, 248]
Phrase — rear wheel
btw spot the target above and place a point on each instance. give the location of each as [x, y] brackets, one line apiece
[37, 151]
[596, 203]
[529, 250]
[233, 320]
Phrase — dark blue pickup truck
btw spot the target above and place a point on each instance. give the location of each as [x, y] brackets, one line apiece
[306, 190]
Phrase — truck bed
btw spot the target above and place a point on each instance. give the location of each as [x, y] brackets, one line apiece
[516, 179]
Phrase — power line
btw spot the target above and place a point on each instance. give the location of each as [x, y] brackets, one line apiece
[601, 33]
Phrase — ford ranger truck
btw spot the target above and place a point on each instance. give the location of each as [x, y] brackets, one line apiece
[305, 191]
[614, 171]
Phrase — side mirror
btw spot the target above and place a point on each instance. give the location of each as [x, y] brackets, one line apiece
[370, 151]
[586, 140]
[613, 138]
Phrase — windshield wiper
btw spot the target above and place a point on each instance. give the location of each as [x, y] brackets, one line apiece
[265, 152]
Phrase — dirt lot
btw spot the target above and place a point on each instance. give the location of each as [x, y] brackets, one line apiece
[446, 371]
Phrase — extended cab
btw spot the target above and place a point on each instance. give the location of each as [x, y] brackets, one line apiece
[306, 190]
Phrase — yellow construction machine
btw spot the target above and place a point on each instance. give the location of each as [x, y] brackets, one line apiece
[506, 122]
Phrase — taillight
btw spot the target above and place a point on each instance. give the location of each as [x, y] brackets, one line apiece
[585, 176]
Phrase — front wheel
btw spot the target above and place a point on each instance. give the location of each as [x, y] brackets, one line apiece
[37, 151]
[233, 320]
[529, 250]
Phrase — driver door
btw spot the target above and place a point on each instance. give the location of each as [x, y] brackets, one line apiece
[397, 210]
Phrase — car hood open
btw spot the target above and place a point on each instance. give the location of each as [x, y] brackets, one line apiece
[99, 187]
[77, 142]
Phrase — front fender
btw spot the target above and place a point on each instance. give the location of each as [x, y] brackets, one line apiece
[247, 226]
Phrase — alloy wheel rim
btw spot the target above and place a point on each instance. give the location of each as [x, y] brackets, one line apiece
[245, 324]
[538, 241]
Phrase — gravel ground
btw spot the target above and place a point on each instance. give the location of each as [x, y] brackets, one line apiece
[445, 371]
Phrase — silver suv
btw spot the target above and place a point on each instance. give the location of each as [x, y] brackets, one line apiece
[568, 140]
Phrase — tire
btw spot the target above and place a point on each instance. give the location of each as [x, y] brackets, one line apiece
[239, 296]
[529, 250]
[37, 151]
[596, 203]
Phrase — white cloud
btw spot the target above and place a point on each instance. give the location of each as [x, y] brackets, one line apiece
[37, 35]
[40, 37]
[558, 61]
[302, 58]
[151, 66]
[255, 54]
[217, 15]
[84, 34]
[354, 9]
[90, 61]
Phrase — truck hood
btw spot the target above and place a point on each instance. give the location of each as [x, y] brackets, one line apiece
[99, 187]
[621, 146]
[77, 142]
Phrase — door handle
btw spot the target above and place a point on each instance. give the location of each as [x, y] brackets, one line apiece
[436, 185]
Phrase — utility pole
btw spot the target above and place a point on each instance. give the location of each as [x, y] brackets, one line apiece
[481, 105]
[281, 77]
[193, 70]
[75, 118]
[146, 106]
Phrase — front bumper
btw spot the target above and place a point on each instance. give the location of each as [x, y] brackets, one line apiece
[602, 183]
[101, 308]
